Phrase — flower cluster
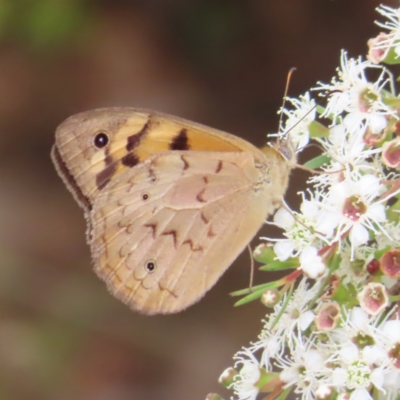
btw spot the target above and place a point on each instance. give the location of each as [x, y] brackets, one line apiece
[334, 329]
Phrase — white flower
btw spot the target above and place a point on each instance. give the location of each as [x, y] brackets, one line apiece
[393, 25]
[245, 382]
[349, 156]
[360, 99]
[298, 120]
[302, 229]
[303, 368]
[295, 316]
[352, 206]
[354, 373]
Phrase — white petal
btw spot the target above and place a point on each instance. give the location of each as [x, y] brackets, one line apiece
[353, 121]
[369, 185]
[283, 249]
[309, 208]
[339, 377]
[392, 330]
[306, 319]
[360, 394]
[377, 212]
[359, 318]
[283, 218]
[377, 123]
[358, 235]
[349, 353]
[373, 355]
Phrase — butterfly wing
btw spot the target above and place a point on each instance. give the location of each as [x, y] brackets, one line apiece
[166, 231]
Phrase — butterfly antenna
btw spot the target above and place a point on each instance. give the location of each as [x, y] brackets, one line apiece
[251, 269]
[289, 77]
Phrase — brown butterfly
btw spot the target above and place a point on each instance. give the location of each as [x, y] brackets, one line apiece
[169, 203]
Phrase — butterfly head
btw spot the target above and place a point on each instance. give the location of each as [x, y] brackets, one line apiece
[286, 149]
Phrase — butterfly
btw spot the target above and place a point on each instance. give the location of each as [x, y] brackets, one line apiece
[169, 203]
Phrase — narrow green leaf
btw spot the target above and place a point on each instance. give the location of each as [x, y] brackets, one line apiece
[264, 286]
[251, 297]
[317, 161]
[291, 263]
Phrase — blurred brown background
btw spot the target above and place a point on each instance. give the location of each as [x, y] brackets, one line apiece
[222, 63]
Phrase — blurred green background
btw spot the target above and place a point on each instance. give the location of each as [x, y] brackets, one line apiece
[222, 63]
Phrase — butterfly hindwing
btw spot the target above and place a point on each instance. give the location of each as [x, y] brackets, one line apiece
[186, 215]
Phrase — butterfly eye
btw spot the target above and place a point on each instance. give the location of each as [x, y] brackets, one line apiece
[101, 140]
[286, 152]
[150, 266]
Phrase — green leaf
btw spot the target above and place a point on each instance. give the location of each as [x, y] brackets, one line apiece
[251, 297]
[379, 253]
[317, 161]
[393, 212]
[392, 57]
[320, 109]
[346, 295]
[317, 130]
[291, 263]
[264, 286]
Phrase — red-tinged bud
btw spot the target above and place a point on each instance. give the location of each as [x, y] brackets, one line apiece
[332, 286]
[390, 263]
[227, 377]
[372, 139]
[214, 396]
[373, 298]
[373, 266]
[394, 354]
[324, 392]
[376, 53]
[391, 153]
[327, 317]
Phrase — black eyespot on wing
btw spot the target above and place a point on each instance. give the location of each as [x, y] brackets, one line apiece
[101, 140]
[145, 196]
[150, 266]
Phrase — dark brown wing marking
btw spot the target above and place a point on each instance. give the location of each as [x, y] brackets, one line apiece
[174, 236]
[211, 233]
[153, 229]
[190, 243]
[199, 197]
[219, 167]
[104, 176]
[203, 218]
[180, 141]
[130, 160]
[167, 290]
[185, 163]
[133, 141]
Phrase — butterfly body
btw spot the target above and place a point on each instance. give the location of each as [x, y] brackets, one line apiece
[170, 204]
